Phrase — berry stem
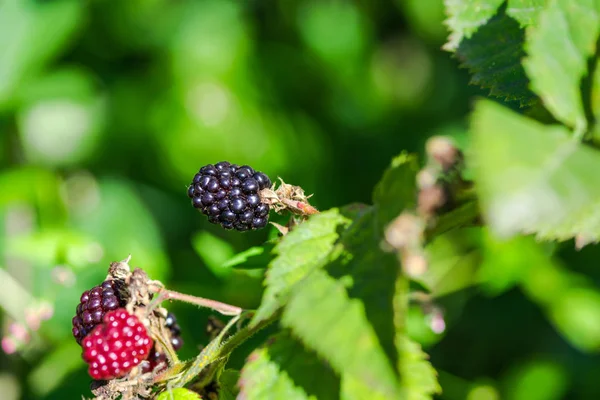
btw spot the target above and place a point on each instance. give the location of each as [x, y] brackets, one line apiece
[223, 308]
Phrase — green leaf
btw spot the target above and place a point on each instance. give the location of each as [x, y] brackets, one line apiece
[303, 249]
[228, 384]
[493, 57]
[327, 319]
[397, 188]
[419, 378]
[534, 178]
[25, 44]
[214, 251]
[257, 257]
[465, 17]
[525, 11]
[558, 50]
[284, 369]
[178, 394]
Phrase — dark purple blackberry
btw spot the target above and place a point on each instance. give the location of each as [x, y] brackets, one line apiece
[94, 304]
[229, 195]
[156, 356]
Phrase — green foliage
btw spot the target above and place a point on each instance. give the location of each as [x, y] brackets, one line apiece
[419, 378]
[534, 178]
[303, 250]
[493, 57]
[465, 17]
[525, 11]
[107, 110]
[179, 394]
[279, 371]
[557, 54]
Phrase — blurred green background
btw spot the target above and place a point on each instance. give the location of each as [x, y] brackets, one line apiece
[108, 108]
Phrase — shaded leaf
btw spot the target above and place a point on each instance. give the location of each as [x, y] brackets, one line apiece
[557, 53]
[397, 188]
[534, 178]
[228, 384]
[465, 17]
[299, 252]
[336, 326]
[493, 57]
[284, 369]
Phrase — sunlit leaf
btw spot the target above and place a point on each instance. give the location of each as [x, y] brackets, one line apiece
[534, 178]
[335, 325]
[557, 53]
[419, 378]
[525, 11]
[178, 394]
[302, 250]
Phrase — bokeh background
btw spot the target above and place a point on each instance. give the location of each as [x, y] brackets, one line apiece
[108, 108]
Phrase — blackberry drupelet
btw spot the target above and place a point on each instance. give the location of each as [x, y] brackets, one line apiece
[94, 304]
[229, 195]
[116, 346]
[157, 356]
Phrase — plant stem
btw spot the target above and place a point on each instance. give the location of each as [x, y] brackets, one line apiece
[223, 308]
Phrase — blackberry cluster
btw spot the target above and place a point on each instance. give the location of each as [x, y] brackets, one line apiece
[116, 346]
[156, 356]
[229, 195]
[94, 304]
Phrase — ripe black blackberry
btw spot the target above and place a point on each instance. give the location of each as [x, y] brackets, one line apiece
[157, 356]
[95, 303]
[229, 195]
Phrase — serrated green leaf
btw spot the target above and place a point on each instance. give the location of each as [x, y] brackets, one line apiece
[323, 315]
[419, 378]
[228, 384]
[303, 249]
[370, 272]
[284, 369]
[534, 178]
[465, 17]
[178, 394]
[397, 188]
[557, 53]
[493, 57]
[525, 11]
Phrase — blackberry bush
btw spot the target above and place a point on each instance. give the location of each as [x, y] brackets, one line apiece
[229, 195]
[94, 304]
[116, 346]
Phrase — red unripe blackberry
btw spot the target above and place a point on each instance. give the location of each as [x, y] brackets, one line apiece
[156, 357]
[229, 195]
[94, 304]
[116, 346]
